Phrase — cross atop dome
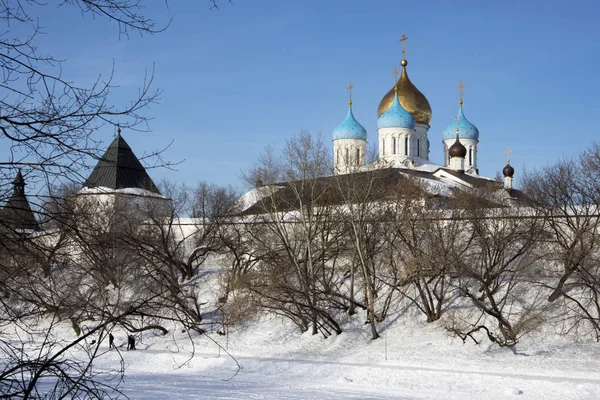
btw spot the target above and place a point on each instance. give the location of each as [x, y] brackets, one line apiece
[460, 87]
[350, 87]
[508, 152]
[403, 40]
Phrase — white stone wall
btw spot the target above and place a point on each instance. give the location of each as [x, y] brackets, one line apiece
[457, 163]
[349, 154]
[400, 144]
[105, 207]
[422, 130]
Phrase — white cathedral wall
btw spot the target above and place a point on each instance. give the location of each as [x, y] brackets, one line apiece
[422, 130]
[457, 163]
[400, 144]
[349, 154]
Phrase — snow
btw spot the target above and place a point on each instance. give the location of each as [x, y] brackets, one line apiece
[256, 194]
[411, 360]
[128, 191]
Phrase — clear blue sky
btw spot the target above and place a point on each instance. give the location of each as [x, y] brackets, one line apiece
[257, 72]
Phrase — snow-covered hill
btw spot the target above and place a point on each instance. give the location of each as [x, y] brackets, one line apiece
[411, 360]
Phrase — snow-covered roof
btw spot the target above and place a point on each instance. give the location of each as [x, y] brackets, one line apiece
[127, 191]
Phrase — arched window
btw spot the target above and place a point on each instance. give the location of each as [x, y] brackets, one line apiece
[418, 148]
[347, 161]
[383, 147]
[470, 156]
[337, 156]
[406, 145]
[357, 156]
[393, 145]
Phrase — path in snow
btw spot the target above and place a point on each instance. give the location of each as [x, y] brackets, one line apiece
[281, 378]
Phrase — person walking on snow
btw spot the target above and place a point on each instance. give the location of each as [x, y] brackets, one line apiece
[130, 342]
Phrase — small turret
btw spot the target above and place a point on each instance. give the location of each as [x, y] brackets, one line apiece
[508, 171]
[19, 183]
[457, 153]
[16, 213]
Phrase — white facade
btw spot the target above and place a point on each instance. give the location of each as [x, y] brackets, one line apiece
[106, 206]
[402, 144]
[349, 154]
[457, 163]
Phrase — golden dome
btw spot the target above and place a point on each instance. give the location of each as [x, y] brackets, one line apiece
[410, 98]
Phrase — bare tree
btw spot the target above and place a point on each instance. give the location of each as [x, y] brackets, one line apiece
[294, 228]
[365, 215]
[496, 272]
[424, 233]
[567, 195]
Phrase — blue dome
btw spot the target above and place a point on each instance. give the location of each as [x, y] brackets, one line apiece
[396, 117]
[466, 130]
[350, 128]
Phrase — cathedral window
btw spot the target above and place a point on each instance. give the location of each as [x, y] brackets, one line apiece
[383, 146]
[406, 146]
[357, 156]
[418, 148]
[347, 159]
[470, 156]
[393, 145]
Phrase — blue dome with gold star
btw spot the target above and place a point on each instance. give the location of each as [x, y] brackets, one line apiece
[466, 130]
[396, 117]
[349, 128]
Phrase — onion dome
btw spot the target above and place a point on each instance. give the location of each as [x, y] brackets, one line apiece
[410, 97]
[396, 117]
[457, 149]
[350, 128]
[466, 130]
[508, 171]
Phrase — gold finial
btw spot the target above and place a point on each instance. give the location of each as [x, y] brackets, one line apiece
[403, 39]
[460, 87]
[350, 87]
[508, 151]
[396, 72]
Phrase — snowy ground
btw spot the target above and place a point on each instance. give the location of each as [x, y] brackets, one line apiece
[412, 360]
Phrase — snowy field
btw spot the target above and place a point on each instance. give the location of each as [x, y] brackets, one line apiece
[412, 360]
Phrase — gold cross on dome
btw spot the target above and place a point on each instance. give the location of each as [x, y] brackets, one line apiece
[350, 87]
[396, 72]
[460, 87]
[403, 39]
[508, 151]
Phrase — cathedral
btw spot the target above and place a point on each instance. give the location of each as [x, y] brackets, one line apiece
[404, 116]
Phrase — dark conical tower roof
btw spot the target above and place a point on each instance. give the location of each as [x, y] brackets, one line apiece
[17, 213]
[119, 168]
